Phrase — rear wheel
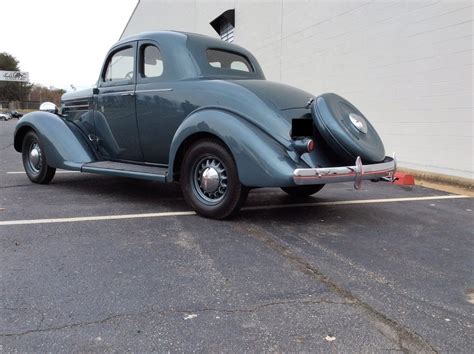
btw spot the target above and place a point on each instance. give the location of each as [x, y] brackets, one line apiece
[34, 160]
[303, 191]
[210, 182]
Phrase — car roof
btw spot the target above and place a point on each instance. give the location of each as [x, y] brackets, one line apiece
[180, 36]
[196, 44]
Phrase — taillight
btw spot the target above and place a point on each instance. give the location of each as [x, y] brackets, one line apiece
[304, 145]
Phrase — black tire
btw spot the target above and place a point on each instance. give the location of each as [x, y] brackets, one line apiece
[214, 158]
[36, 169]
[303, 191]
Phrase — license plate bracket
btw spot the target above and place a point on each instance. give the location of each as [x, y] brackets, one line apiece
[302, 127]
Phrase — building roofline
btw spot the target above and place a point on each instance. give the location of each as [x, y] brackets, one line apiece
[129, 19]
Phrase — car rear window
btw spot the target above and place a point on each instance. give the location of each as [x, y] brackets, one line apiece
[228, 60]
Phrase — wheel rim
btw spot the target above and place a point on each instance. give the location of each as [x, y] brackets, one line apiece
[35, 159]
[209, 180]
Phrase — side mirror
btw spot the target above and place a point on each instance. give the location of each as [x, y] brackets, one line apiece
[49, 107]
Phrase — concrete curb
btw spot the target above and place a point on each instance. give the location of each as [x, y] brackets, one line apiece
[453, 184]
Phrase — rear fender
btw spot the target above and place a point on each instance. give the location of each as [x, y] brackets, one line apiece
[65, 146]
[261, 160]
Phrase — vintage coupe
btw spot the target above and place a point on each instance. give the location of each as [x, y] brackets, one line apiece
[172, 106]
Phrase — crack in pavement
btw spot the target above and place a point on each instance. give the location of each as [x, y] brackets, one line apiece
[16, 185]
[388, 283]
[405, 338]
[6, 147]
[26, 309]
[255, 308]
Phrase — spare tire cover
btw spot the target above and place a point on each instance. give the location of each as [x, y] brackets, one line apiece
[346, 129]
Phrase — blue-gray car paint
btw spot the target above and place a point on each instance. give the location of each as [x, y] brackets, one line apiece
[64, 144]
[250, 115]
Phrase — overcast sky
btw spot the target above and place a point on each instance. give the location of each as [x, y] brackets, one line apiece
[62, 42]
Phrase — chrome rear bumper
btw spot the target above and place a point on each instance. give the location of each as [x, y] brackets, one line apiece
[356, 173]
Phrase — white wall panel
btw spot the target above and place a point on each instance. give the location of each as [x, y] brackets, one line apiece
[408, 65]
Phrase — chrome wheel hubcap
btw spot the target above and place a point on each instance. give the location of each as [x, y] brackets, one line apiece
[34, 157]
[210, 180]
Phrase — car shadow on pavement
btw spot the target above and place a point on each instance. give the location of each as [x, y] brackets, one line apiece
[118, 186]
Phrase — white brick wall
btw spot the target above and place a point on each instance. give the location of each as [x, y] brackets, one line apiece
[408, 65]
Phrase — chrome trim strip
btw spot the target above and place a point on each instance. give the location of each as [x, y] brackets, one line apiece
[155, 90]
[356, 173]
[86, 106]
[122, 93]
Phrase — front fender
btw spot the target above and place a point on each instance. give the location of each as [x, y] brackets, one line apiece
[63, 143]
[261, 160]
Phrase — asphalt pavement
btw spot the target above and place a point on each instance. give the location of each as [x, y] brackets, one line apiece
[97, 263]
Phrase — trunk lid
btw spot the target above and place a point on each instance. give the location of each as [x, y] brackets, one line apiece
[279, 95]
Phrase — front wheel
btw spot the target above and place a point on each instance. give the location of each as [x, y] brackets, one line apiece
[303, 191]
[210, 182]
[34, 160]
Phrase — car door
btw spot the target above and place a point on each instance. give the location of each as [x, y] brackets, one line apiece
[159, 107]
[115, 113]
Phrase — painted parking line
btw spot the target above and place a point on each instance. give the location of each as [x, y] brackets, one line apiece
[23, 172]
[96, 218]
[360, 201]
[186, 213]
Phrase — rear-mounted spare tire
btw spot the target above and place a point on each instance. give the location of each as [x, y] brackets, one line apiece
[346, 130]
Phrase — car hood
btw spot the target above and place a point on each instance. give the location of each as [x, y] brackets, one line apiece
[279, 95]
[85, 93]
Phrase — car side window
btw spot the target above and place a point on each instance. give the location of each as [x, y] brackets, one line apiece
[152, 63]
[121, 66]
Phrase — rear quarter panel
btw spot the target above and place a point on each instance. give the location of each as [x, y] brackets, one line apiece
[261, 160]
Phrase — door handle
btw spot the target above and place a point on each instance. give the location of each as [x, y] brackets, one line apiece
[130, 93]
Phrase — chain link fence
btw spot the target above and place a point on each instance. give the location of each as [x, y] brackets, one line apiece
[19, 105]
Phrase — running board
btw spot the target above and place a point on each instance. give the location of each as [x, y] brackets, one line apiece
[122, 169]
